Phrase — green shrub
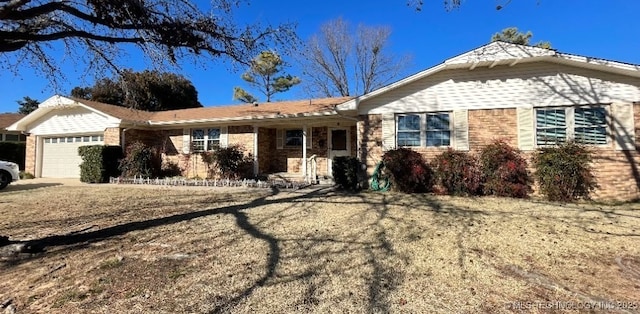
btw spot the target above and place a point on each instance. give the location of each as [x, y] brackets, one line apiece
[228, 163]
[141, 160]
[26, 175]
[14, 152]
[504, 171]
[564, 172]
[408, 171]
[170, 169]
[345, 172]
[457, 172]
[99, 162]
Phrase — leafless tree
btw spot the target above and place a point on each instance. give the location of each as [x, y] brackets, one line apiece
[340, 61]
[98, 32]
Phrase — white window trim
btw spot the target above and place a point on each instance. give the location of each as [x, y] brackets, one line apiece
[570, 123]
[205, 139]
[423, 128]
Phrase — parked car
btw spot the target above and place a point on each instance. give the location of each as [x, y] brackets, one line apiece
[8, 173]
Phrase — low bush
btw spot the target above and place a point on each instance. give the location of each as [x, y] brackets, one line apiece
[141, 160]
[228, 163]
[26, 175]
[14, 152]
[345, 173]
[99, 162]
[457, 173]
[408, 171]
[504, 171]
[564, 172]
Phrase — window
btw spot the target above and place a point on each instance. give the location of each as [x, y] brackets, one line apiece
[586, 125]
[11, 137]
[205, 139]
[438, 129]
[591, 126]
[409, 130]
[551, 126]
[293, 138]
[425, 129]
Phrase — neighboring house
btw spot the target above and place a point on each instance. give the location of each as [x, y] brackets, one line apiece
[529, 96]
[7, 119]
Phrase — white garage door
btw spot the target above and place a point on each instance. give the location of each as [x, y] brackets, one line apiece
[60, 157]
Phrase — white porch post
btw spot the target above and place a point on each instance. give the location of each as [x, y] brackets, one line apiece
[256, 165]
[304, 152]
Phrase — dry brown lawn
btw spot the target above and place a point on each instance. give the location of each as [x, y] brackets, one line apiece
[124, 249]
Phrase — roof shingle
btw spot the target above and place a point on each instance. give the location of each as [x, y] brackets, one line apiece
[7, 119]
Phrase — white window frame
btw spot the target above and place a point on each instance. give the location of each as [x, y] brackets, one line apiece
[570, 123]
[423, 128]
[207, 143]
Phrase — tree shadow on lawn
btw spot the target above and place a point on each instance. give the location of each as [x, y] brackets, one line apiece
[378, 252]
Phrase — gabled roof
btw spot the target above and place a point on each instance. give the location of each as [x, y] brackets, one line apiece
[122, 113]
[7, 119]
[503, 53]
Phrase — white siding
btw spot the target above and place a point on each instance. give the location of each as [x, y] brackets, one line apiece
[70, 121]
[623, 126]
[522, 85]
[500, 51]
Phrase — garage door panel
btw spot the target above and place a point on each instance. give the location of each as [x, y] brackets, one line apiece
[60, 157]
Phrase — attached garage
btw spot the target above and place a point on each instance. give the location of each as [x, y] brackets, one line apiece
[60, 157]
[60, 125]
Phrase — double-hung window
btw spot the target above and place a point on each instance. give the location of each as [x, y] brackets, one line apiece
[205, 139]
[585, 125]
[424, 129]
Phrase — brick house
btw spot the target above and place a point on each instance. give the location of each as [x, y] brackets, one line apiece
[6, 120]
[529, 96]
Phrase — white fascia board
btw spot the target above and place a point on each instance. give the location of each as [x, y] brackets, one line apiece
[247, 119]
[599, 64]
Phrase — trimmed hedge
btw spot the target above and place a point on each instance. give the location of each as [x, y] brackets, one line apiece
[14, 152]
[345, 173]
[99, 162]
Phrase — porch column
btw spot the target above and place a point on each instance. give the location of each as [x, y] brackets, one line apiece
[304, 151]
[256, 164]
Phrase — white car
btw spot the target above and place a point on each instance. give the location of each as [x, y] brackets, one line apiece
[8, 173]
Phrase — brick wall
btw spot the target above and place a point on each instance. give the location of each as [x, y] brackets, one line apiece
[243, 137]
[617, 172]
[112, 136]
[30, 155]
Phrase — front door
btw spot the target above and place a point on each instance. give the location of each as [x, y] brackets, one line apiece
[339, 145]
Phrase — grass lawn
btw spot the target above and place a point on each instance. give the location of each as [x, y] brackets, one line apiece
[123, 249]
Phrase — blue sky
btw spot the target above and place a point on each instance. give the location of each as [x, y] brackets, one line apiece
[603, 29]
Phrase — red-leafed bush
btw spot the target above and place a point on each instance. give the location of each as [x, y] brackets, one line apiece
[408, 171]
[457, 173]
[504, 171]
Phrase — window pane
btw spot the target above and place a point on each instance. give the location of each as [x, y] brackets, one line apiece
[590, 117]
[213, 134]
[439, 121]
[551, 136]
[550, 118]
[438, 138]
[86, 138]
[406, 138]
[78, 139]
[95, 138]
[198, 145]
[339, 139]
[54, 140]
[591, 136]
[212, 144]
[47, 140]
[11, 137]
[197, 134]
[293, 138]
[409, 123]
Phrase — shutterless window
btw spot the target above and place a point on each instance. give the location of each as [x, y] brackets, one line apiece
[438, 129]
[408, 132]
[11, 137]
[293, 137]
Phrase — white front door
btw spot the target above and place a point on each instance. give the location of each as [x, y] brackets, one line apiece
[339, 145]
